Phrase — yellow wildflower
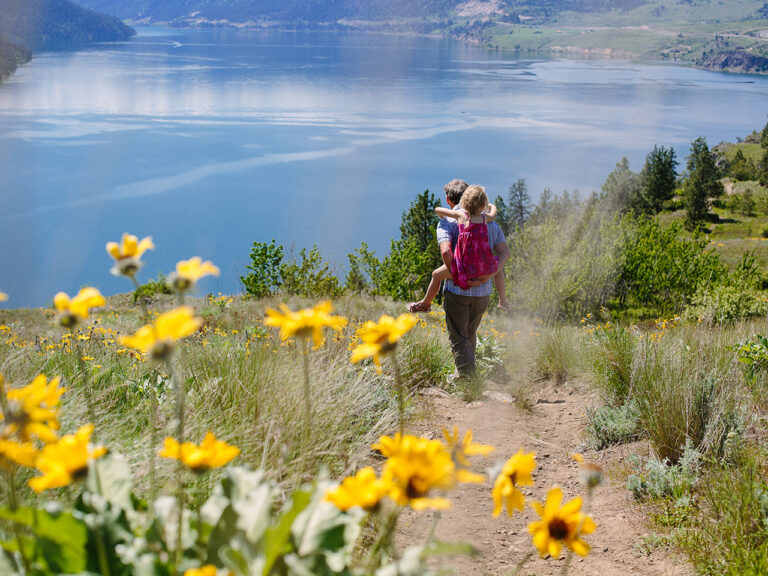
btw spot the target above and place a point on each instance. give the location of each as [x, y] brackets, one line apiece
[363, 489]
[23, 453]
[207, 570]
[128, 253]
[32, 411]
[158, 339]
[3, 297]
[414, 467]
[211, 453]
[305, 323]
[72, 310]
[516, 472]
[560, 525]
[66, 460]
[188, 272]
[380, 338]
[461, 450]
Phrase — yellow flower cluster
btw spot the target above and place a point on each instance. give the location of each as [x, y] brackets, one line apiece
[211, 453]
[72, 310]
[127, 254]
[380, 338]
[30, 415]
[415, 467]
[188, 272]
[305, 324]
[159, 339]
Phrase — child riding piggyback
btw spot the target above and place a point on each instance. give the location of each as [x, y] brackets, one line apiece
[472, 256]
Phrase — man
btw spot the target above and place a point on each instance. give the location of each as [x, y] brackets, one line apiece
[464, 309]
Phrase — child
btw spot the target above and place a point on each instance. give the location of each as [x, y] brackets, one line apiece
[472, 256]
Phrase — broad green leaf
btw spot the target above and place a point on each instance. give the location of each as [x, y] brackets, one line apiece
[61, 537]
[110, 476]
[277, 537]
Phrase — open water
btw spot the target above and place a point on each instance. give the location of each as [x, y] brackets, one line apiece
[211, 140]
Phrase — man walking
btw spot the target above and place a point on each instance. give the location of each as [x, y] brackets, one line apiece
[464, 309]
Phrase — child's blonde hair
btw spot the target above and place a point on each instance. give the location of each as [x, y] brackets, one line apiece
[474, 200]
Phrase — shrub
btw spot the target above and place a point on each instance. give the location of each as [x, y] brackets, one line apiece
[264, 278]
[309, 276]
[151, 288]
[405, 272]
[658, 479]
[607, 426]
[722, 304]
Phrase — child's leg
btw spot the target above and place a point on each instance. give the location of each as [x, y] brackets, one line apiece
[423, 305]
[438, 275]
[501, 288]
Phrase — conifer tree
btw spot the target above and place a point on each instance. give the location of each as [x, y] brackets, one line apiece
[658, 178]
[519, 204]
[703, 183]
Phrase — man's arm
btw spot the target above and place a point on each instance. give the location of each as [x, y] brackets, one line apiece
[446, 254]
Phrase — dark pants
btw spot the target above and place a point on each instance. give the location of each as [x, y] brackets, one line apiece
[463, 315]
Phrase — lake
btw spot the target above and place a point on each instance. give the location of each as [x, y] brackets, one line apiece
[210, 140]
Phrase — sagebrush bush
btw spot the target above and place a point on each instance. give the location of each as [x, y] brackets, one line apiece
[608, 425]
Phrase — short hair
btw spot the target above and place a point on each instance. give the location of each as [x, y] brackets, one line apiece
[454, 190]
[474, 200]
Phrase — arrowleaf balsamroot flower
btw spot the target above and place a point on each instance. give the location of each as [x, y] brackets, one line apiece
[207, 570]
[23, 453]
[72, 310]
[158, 339]
[32, 411]
[211, 453]
[128, 253]
[305, 323]
[515, 472]
[414, 467]
[461, 450]
[380, 338]
[3, 297]
[560, 525]
[188, 272]
[66, 460]
[363, 489]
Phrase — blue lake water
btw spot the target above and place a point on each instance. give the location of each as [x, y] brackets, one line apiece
[211, 140]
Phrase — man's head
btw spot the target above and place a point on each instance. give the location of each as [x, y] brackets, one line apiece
[453, 191]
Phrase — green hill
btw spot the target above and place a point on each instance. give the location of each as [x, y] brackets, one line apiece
[50, 24]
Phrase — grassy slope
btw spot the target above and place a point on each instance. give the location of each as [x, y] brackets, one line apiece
[677, 31]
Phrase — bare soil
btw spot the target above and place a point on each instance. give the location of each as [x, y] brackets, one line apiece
[554, 429]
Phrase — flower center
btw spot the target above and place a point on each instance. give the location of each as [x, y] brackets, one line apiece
[416, 488]
[558, 529]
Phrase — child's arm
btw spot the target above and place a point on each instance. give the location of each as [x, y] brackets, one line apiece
[447, 213]
[491, 212]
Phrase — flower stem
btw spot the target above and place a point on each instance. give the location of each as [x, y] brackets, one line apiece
[142, 300]
[400, 393]
[180, 397]
[100, 546]
[523, 562]
[10, 477]
[307, 391]
[384, 542]
[153, 405]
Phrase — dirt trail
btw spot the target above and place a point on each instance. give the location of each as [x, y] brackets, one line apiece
[554, 430]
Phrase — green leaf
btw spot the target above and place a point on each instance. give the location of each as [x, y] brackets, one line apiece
[277, 537]
[61, 537]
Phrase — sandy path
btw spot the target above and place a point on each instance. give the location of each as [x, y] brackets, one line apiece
[554, 430]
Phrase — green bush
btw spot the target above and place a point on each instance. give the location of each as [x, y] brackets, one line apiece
[607, 426]
[405, 272]
[151, 288]
[557, 354]
[264, 278]
[724, 303]
[659, 479]
[309, 276]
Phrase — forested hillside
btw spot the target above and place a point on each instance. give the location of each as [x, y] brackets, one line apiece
[49, 24]
[11, 55]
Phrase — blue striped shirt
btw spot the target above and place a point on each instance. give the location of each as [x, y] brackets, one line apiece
[448, 231]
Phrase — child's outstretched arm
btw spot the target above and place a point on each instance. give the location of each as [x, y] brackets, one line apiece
[491, 212]
[448, 213]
